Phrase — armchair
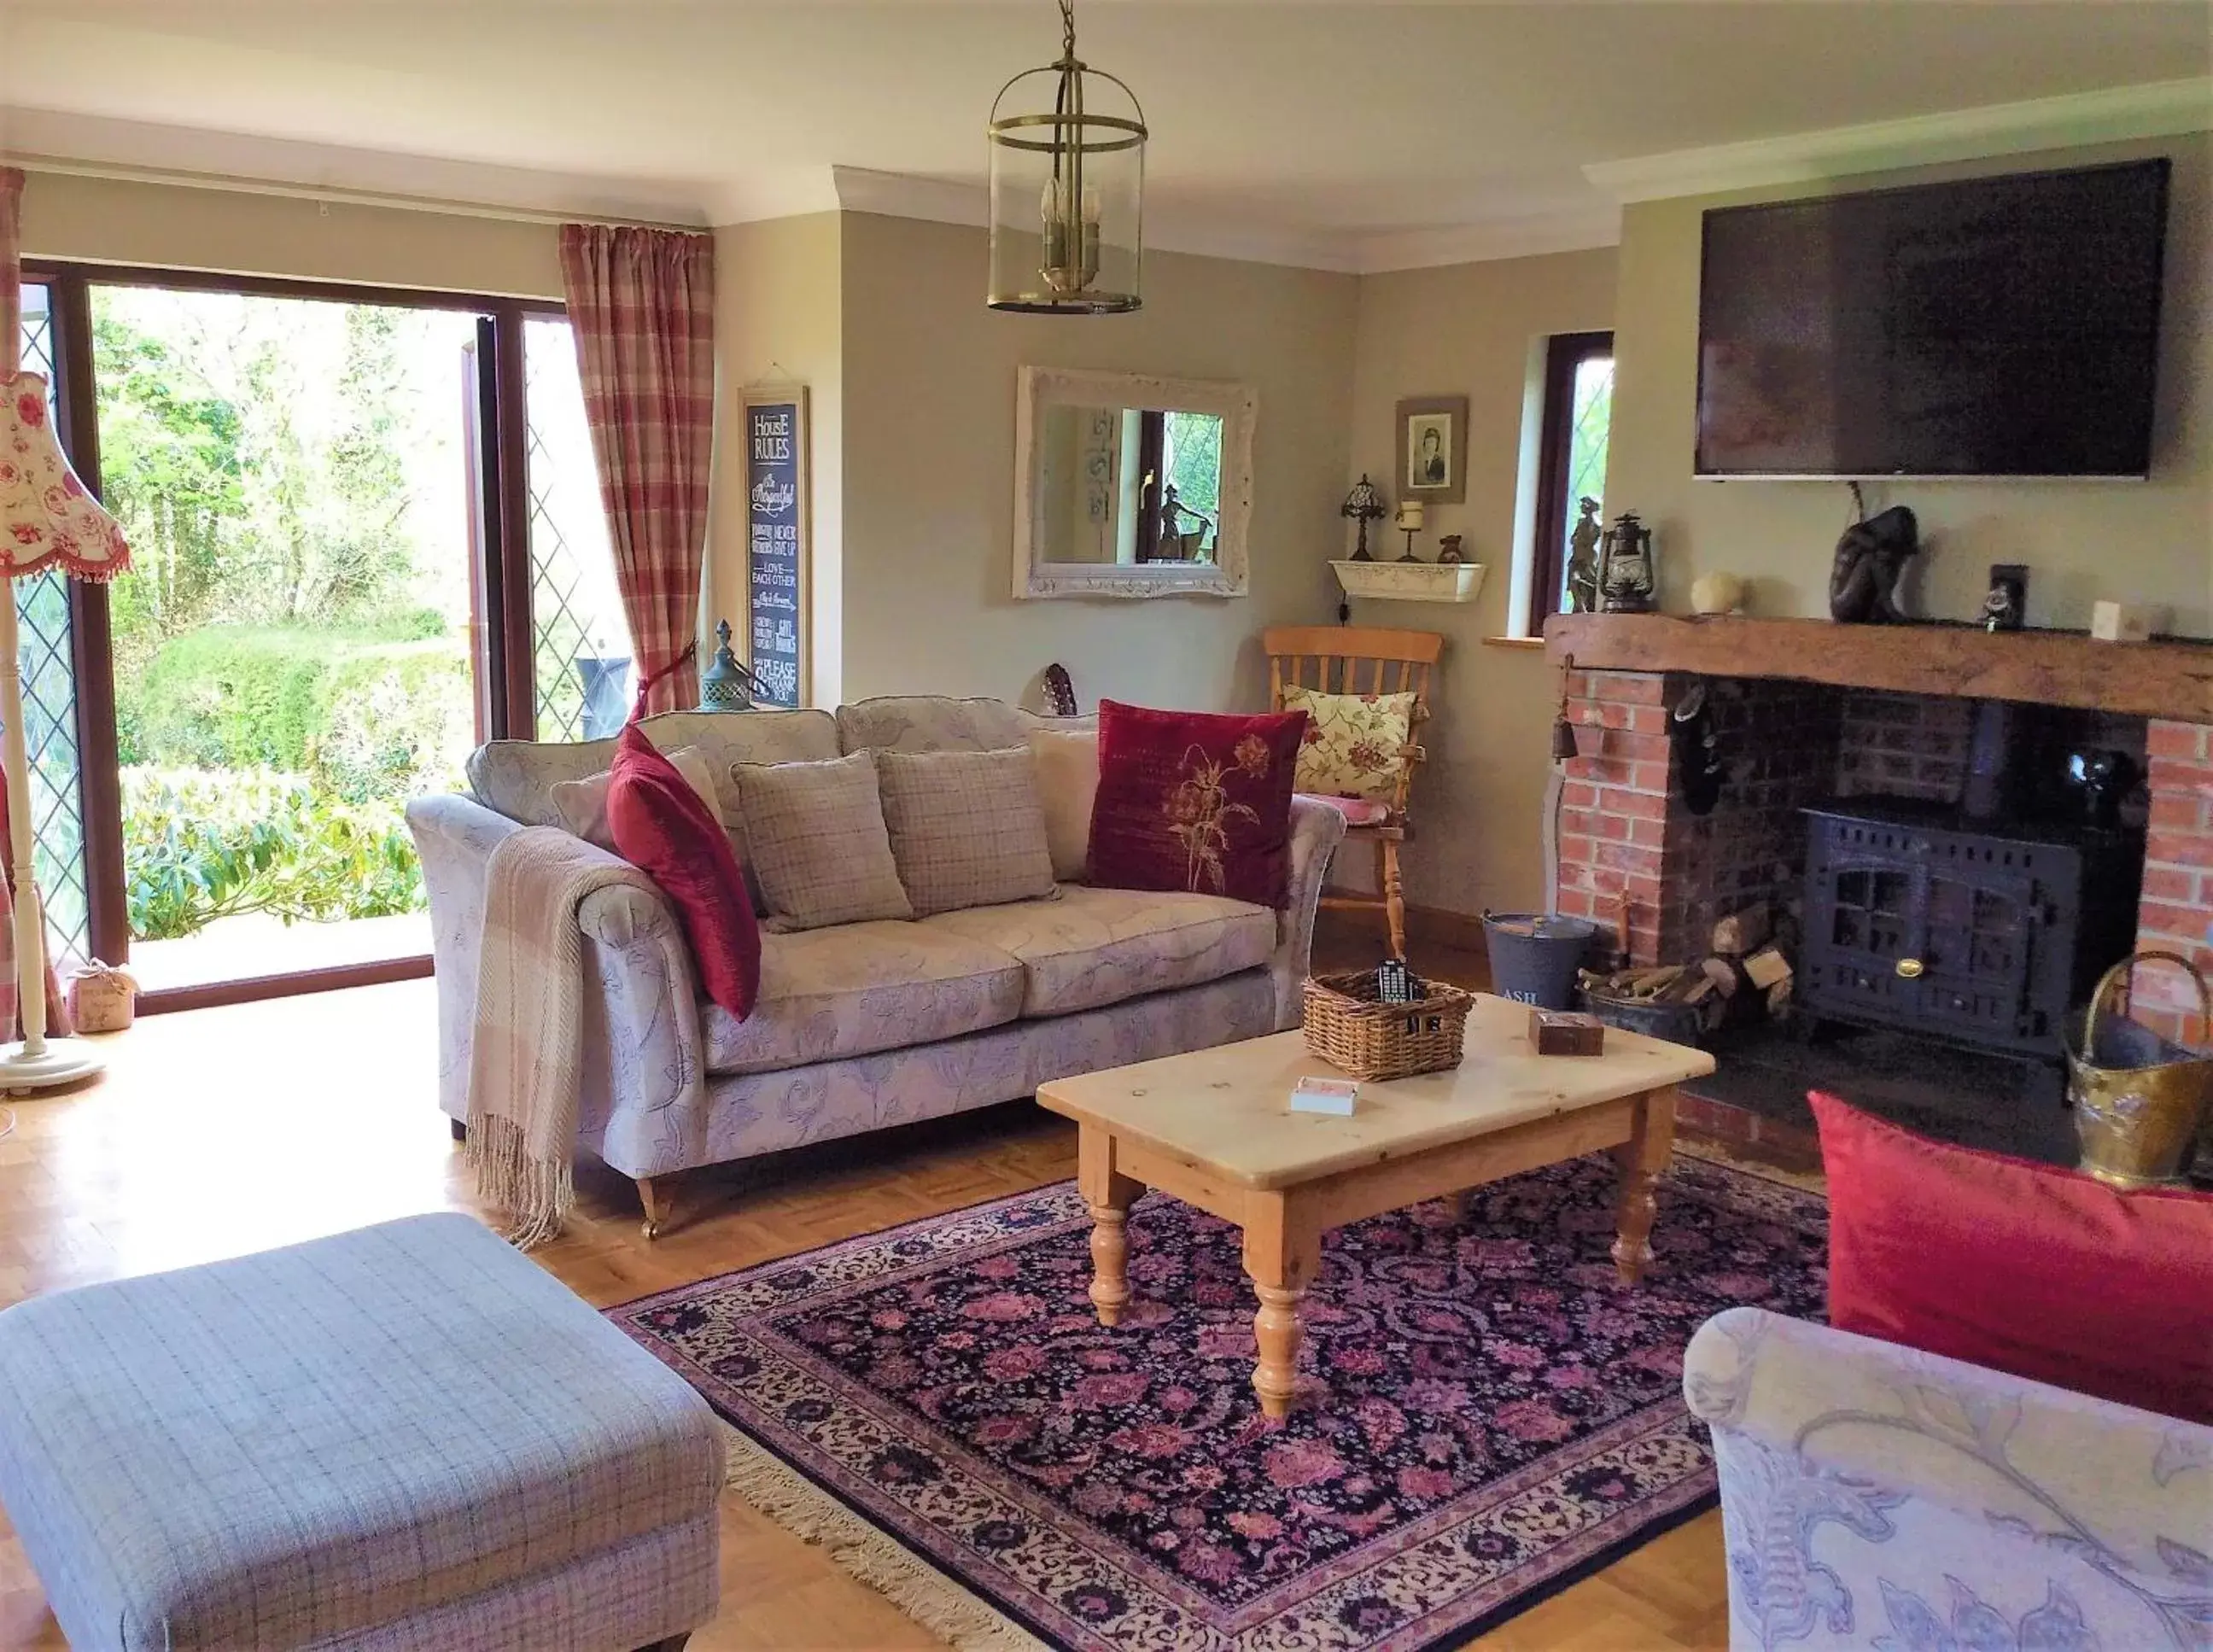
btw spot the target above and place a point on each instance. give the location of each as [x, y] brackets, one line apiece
[1876, 1495]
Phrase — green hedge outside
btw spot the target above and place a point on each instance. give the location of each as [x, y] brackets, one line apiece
[365, 716]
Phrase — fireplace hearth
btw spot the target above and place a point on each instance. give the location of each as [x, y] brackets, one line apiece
[1934, 892]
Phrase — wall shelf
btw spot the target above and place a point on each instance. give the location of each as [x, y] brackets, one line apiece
[1412, 582]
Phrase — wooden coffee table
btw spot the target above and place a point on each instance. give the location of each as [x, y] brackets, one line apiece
[1214, 1128]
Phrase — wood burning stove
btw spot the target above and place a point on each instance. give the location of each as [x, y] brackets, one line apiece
[1985, 933]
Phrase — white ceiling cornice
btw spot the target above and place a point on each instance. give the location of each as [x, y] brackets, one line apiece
[2158, 109]
[133, 151]
[939, 200]
[1478, 243]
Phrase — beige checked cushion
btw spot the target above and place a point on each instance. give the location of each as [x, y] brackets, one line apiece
[1068, 781]
[968, 828]
[816, 834]
[582, 804]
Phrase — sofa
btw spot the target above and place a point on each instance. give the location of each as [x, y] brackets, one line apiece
[1876, 1496]
[865, 1025]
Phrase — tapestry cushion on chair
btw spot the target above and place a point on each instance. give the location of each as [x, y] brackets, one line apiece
[2022, 1267]
[1353, 743]
[661, 825]
[820, 846]
[1192, 801]
[1068, 783]
[968, 828]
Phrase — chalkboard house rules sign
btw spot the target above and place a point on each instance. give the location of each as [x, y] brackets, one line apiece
[776, 542]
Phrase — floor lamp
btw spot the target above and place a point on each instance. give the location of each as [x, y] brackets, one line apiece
[47, 520]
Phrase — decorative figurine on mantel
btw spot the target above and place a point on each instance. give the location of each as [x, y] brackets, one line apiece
[1409, 522]
[1627, 578]
[1582, 559]
[1870, 561]
[1364, 505]
[1449, 551]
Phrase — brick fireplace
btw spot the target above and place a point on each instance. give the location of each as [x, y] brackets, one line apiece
[1888, 713]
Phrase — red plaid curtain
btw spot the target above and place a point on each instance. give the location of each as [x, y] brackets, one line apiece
[641, 304]
[11, 359]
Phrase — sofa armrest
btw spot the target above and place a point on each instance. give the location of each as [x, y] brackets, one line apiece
[642, 1106]
[2060, 1472]
[1316, 831]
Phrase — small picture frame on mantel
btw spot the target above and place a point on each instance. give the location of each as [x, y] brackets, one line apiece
[1433, 448]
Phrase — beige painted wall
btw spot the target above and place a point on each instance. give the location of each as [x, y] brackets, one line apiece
[2147, 541]
[169, 226]
[1476, 330]
[929, 509]
[777, 320]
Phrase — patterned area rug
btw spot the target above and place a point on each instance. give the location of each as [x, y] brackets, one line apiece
[1487, 1413]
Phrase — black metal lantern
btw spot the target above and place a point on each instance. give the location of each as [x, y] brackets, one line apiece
[1627, 579]
[1067, 184]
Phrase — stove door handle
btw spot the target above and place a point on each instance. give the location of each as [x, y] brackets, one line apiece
[1911, 969]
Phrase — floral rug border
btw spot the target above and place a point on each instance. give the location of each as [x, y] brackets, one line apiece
[824, 1504]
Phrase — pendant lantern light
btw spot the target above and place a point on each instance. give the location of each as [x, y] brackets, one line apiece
[1068, 181]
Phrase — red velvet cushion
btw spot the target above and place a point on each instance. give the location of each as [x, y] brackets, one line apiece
[1191, 801]
[2020, 1266]
[661, 828]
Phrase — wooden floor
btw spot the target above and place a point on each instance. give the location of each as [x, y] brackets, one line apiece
[220, 1131]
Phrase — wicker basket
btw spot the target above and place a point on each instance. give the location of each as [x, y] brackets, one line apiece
[1348, 1029]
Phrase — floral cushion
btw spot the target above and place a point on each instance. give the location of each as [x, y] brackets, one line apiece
[1194, 800]
[1353, 741]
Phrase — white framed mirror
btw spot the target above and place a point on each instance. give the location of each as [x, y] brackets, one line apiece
[1129, 485]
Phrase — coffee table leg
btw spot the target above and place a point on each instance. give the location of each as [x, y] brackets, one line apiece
[1283, 1254]
[1642, 1158]
[1109, 1194]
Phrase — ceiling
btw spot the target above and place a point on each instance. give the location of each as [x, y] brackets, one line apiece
[1348, 135]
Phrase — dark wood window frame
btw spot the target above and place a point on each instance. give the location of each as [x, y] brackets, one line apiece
[500, 581]
[1563, 356]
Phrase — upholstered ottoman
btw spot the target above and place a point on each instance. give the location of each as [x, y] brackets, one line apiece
[409, 1436]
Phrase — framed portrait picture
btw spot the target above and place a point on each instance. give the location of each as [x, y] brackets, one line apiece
[1433, 448]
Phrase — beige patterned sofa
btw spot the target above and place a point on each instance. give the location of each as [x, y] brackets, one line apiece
[865, 1025]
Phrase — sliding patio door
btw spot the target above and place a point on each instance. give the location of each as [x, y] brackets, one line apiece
[365, 536]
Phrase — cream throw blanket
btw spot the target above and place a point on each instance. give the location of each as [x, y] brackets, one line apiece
[526, 1060]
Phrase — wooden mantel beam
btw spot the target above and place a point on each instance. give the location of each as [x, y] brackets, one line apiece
[2152, 679]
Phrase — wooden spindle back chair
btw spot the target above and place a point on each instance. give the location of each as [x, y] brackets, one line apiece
[1364, 660]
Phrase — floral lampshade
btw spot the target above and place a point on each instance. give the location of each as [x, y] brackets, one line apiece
[48, 518]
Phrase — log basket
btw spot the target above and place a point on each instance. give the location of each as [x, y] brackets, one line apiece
[2139, 1100]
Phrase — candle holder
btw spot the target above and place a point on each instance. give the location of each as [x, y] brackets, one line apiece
[1409, 522]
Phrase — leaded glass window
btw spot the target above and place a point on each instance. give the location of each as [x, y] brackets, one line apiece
[50, 726]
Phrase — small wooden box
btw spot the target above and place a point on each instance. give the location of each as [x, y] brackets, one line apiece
[1566, 1033]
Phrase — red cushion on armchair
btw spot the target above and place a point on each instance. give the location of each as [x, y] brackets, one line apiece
[1193, 801]
[2023, 1267]
[661, 826]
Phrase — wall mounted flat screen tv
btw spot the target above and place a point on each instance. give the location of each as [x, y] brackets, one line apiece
[2005, 327]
